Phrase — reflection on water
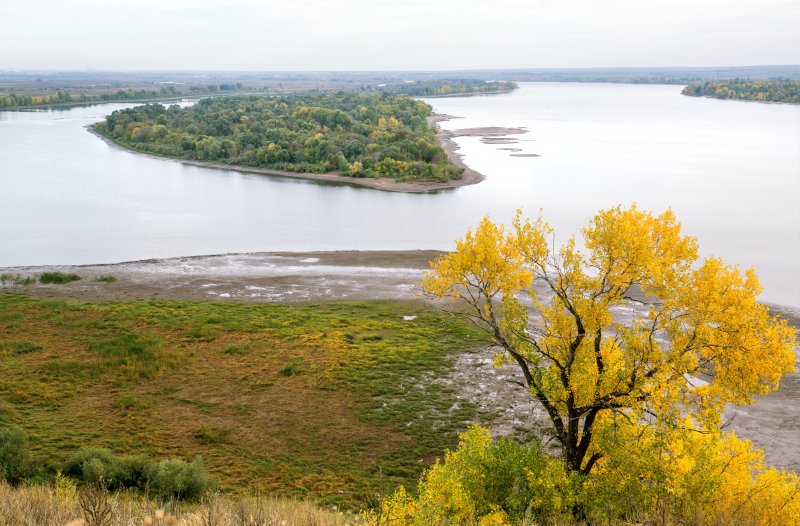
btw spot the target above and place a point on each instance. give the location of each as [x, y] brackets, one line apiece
[730, 170]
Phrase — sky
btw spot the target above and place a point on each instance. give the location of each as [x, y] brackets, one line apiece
[354, 35]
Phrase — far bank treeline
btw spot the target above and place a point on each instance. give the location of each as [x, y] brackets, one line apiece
[756, 90]
[449, 87]
[356, 134]
[62, 97]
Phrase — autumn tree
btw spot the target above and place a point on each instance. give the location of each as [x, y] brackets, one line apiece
[697, 339]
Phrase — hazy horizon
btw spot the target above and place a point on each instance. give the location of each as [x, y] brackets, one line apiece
[377, 35]
[372, 71]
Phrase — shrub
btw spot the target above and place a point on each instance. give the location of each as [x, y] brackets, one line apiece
[133, 471]
[107, 278]
[179, 479]
[58, 277]
[171, 478]
[91, 464]
[15, 456]
[485, 482]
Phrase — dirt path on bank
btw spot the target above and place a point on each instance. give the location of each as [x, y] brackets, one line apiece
[773, 423]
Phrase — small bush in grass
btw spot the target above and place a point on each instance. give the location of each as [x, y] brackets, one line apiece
[179, 479]
[132, 402]
[15, 456]
[58, 277]
[292, 368]
[133, 471]
[213, 435]
[91, 464]
[19, 347]
[107, 278]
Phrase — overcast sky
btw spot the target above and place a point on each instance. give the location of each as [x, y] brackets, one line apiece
[395, 34]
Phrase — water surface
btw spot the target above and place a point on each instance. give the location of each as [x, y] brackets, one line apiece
[730, 170]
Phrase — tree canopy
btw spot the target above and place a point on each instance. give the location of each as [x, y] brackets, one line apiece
[757, 90]
[358, 135]
[699, 339]
[448, 87]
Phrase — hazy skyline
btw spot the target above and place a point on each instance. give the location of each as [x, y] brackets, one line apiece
[388, 35]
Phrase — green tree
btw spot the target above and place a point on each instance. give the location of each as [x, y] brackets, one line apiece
[15, 456]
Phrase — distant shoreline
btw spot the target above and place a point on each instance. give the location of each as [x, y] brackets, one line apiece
[468, 177]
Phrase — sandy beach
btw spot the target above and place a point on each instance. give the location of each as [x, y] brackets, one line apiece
[468, 177]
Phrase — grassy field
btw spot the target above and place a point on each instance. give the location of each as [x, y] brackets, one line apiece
[331, 401]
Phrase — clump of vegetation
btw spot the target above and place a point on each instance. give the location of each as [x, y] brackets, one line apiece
[180, 479]
[292, 368]
[107, 278]
[19, 347]
[15, 456]
[16, 279]
[757, 90]
[58, 277]
[695, 478]
[171, 478]
[213, 435]
[357, 134]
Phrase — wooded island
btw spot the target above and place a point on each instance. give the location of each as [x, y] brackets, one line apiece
[359, 135]
[757, 90]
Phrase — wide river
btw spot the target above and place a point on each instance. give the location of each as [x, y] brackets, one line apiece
[730, 170]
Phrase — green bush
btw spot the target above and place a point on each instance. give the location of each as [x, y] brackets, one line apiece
[171, 478]
[180, 479]
[15, 456]
[133, 471]
[91, 464]
[58, 277]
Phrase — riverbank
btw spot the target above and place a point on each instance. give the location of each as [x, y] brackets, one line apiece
[772, 423]
[468, 177]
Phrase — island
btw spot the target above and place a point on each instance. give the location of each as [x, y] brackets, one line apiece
[786, 91]
[448, 87]
[380, 138]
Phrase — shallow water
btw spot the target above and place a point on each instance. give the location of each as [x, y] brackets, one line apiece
[730, 170]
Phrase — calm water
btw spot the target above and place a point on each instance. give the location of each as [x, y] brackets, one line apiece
[730, 170]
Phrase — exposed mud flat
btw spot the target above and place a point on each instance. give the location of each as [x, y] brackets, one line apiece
[773, 423]
[257, 277]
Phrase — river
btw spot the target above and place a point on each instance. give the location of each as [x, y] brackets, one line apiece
[729, 169]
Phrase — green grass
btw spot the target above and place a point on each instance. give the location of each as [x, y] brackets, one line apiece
[58, 277]
[327, 401]
[107, 278]
[16, 279]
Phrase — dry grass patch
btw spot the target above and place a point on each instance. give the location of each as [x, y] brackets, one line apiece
[65, 505]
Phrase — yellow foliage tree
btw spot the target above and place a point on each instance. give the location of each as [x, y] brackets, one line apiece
[697, 341]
